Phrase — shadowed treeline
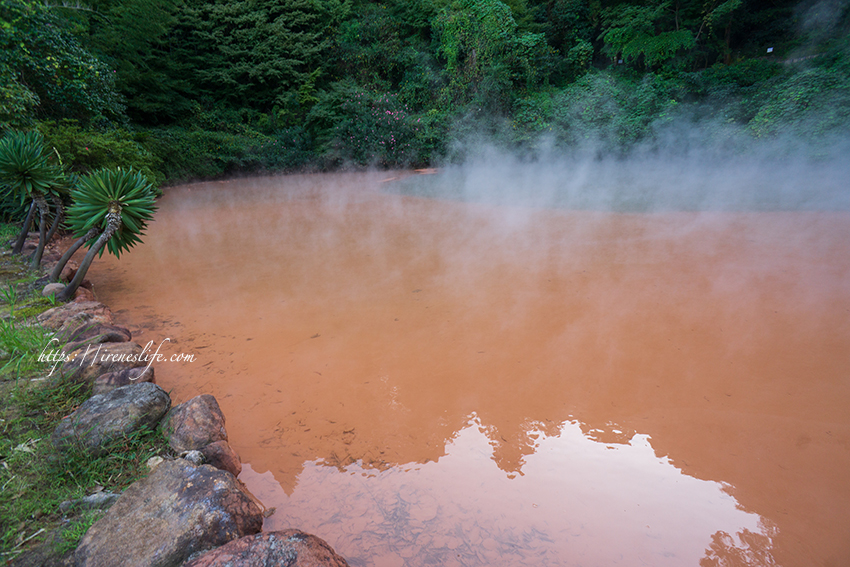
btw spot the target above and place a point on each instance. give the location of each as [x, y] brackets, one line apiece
[195, 89]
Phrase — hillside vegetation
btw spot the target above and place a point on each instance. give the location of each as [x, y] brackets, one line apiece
[188, 89]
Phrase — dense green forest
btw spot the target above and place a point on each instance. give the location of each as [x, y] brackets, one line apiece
[189, 89]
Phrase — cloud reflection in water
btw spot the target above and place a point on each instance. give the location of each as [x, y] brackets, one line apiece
[594, 498]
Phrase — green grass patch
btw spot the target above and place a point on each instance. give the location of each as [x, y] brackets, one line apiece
[8, 232]
[34, 478]
[21, 339]
[75, 531]
[20, 346]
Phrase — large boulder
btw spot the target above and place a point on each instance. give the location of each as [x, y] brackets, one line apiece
[103, 419]
[88, 362]
[195, 424]
[292, 548]
[163, 519]
[111, 380]
[70, 316]
[222, 456]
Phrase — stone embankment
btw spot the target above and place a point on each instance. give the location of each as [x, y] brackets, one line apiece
[191, 510]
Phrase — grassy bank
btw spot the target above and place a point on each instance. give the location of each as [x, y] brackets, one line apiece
[34, 478]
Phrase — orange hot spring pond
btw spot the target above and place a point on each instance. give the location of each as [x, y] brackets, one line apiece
[424, 381]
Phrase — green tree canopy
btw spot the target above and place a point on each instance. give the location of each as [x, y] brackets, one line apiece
[484, 50]
[138, 40]
[253, 52]
[635, 32]
[47, 70]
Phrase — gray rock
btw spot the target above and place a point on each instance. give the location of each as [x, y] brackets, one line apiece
[105, 418]
[161, 520]
[70, 316]
[52, 289]
[112, 380]
[91, 361]
[292, 548]
[195, 424]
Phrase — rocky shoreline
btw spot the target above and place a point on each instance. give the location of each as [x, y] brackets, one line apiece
[190, 510]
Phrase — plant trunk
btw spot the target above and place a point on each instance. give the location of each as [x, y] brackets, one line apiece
[57, 271]
[43, 210]
[58, 219]
[676, 16]
[113, 223]
[22, 237]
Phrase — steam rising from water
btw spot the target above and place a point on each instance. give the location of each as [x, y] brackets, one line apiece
[679, 173]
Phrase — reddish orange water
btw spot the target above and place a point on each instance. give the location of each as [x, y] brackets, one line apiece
[422, 382]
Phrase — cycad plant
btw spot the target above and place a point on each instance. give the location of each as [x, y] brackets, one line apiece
[113, 204]
[28, 172]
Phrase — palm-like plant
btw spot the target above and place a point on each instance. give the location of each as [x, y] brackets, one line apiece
[28, 172]
[113, 204]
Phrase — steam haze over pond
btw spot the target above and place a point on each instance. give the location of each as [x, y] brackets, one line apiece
[431, 370]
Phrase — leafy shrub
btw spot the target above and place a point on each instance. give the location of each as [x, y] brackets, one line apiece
[16, 101]
[531, 116]
[631, 33]
[485, 52]
[429, 144]
[286, 149]
[366, 128]
[84, 150]
[192, 154]
[195, 153]
[809, 104]
[423, 79]
[369, 46]
[744, 73]
[54, 73]
[613, 110]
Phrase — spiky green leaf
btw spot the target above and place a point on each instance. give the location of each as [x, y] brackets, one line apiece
[27, 167]
[95, 192]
